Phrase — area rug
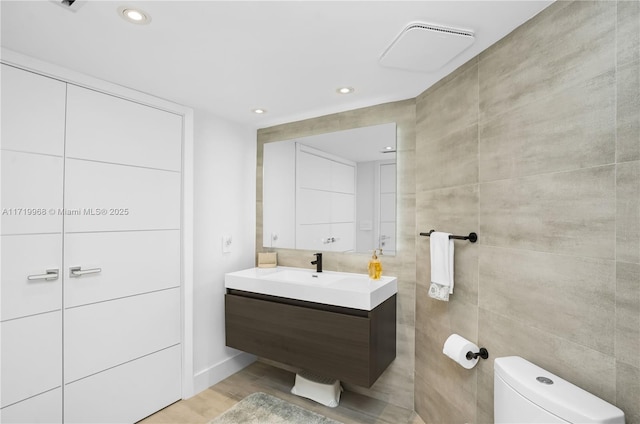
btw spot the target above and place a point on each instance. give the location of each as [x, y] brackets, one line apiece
[261, 408]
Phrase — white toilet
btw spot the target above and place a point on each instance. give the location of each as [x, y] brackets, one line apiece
[525, 393]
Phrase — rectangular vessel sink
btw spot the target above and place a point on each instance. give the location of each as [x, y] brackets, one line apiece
[331, 288]
[303, 277]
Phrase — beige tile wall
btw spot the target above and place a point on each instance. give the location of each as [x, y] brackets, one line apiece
[396, 383]
[534, 144]
[539, 147]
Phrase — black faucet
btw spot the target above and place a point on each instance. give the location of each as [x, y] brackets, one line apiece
[317, 262]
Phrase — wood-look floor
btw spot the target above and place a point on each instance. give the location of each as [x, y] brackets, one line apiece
[354, 408]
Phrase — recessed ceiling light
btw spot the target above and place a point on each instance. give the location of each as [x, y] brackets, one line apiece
[134, 15]
[345, 90]
[259, 111]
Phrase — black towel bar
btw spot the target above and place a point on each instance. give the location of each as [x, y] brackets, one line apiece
[472, 237]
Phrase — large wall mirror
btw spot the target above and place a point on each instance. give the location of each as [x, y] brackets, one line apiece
[332, 192]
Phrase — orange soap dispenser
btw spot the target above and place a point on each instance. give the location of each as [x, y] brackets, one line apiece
[375, 267]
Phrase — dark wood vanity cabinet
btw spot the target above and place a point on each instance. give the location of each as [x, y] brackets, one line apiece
[351, 345]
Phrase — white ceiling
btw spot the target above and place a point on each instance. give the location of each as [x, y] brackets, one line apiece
[229, 57]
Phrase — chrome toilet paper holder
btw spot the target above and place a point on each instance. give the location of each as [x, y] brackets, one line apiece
[484, 354]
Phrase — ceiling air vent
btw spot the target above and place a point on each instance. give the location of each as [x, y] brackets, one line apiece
[72, 5]
[425, 47]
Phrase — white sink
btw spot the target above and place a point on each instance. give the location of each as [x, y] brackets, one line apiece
[331, 288]
[303, 276]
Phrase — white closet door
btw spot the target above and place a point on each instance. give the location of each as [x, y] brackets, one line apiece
[45, 408]
[122, 321]
[31, 193]
[120, 163]
[30, 255]
[33, 112]
[109, 129]
[31, 356]
[110, 197]
[131, 263]
[33, 109]
[127, 393]
[106, 334]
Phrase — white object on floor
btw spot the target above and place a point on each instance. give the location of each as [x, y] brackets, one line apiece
[320, 389]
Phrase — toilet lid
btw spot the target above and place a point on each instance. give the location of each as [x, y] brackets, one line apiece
[555, 394]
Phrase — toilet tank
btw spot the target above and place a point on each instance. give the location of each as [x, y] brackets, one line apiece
[526, 393]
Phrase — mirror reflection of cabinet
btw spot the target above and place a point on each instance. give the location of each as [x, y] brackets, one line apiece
[332, 192]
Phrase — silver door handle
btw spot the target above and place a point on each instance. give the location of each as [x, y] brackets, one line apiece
[52, 274]
[77, 271]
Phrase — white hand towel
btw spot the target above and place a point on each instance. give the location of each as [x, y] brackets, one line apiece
[441, 266]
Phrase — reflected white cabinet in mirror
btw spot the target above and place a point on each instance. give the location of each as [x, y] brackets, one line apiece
[332, 192]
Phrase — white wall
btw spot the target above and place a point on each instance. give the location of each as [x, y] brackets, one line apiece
[224, 204]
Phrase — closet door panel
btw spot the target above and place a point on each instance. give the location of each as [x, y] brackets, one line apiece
[31, 356]
[45, 408]
[31, 193]
[120, 197]
[131, 262]
[109, 129]
[127, 393]
[106, 334]
[33, 112]
[27, 255]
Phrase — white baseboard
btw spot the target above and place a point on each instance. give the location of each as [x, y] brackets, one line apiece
[206, 378]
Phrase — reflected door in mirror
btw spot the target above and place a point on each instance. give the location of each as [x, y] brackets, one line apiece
[386, 236]
[325, 201]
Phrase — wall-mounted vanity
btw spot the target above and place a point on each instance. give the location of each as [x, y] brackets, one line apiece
[332, 192]
[336, 324]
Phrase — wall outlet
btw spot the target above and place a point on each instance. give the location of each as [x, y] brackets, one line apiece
[226, 244]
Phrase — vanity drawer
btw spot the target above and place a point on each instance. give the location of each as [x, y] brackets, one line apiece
[351, 345]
